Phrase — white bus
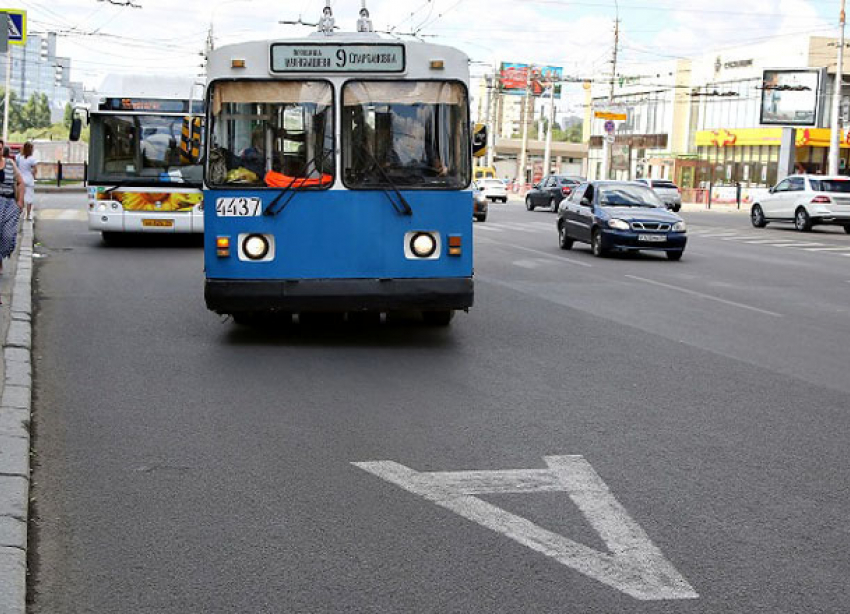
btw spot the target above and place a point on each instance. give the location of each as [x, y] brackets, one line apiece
[144, 171]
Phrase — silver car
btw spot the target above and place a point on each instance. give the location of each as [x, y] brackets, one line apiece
[666, 190]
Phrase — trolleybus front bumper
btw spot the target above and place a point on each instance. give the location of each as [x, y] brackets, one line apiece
[336, 295]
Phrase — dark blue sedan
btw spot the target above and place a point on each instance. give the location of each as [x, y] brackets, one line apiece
[620, 216]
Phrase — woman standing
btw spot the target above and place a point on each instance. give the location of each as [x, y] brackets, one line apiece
[10, 207]
[27, 167]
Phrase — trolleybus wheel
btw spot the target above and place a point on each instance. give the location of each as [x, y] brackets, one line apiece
[438, 318]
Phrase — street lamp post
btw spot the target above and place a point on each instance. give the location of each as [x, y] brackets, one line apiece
[834, 147]
[606, 146]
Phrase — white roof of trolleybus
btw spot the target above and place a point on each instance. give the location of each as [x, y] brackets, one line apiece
[418, 58]
[150, 86]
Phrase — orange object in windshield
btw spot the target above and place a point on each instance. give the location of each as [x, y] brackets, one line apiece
[279, 180]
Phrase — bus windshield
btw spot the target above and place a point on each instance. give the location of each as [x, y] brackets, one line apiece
[271, 134]
[414, 134]
[145, 149]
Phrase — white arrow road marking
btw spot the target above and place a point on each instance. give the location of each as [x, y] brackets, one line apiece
[634, 566]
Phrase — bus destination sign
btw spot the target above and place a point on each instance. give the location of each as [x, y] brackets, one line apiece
[157, 105]
[321, 57]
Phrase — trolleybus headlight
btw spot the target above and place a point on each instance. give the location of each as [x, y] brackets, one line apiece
[423, 245]
[255, 247]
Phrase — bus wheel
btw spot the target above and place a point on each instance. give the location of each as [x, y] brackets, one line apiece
[438, 318]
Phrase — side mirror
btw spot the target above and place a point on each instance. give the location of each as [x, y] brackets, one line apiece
[772, 190]
[76, 129]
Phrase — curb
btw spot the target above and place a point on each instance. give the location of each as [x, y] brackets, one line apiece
[72, 189]
[15, 407]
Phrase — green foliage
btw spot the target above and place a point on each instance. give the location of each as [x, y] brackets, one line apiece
[56, 132]
[34, 113]
[573, 134]
[69, 115]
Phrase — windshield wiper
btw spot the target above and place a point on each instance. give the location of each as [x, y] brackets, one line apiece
[290, 188]
[404, 207]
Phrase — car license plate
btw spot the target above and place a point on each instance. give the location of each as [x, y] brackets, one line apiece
[158, 223]
[652, 238]
[238, 207]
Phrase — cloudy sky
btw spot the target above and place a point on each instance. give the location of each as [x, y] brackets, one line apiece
[167, 36]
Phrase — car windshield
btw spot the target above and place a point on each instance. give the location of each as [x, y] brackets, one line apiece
[565, 181]
[669, 185]
[627, 196]
[842, 186]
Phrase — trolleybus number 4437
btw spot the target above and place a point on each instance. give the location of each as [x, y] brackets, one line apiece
[238, 207]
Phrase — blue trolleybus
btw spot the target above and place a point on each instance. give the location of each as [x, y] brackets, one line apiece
[337, 178]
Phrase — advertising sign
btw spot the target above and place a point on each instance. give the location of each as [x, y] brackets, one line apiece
[513, 79]
[322, 57]
[790, 97]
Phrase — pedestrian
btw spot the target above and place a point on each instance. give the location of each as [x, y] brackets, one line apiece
[11, 202]
[27, 166]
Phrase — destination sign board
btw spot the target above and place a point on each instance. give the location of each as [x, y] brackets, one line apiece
[322, 57]
[150, 104]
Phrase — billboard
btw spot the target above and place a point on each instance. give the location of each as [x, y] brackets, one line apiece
[790, 97]
[513, 78]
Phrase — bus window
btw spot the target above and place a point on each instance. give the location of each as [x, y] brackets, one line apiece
[271, 134]
[145, 148]
[413, 133]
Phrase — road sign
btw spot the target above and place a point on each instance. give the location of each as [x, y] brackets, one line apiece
[621, 117]
[609, 138]
[610, 126]
[632, 564]
[17, 26]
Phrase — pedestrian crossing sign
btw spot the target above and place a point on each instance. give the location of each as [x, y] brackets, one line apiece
[17, 26]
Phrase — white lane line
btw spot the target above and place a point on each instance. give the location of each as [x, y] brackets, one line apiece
[798, 245]
[828, 249]
[550, 256]
[60, 214]
[720, 235]
[740, 238]
[705, 296]
[769, 241]
[489, 228]
[633, 564]
[527, 264]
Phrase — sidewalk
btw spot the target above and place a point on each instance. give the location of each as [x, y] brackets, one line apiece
[15, 406]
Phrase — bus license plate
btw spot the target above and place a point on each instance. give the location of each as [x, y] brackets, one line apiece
[158, 223]
[652, 238]
[238, 207]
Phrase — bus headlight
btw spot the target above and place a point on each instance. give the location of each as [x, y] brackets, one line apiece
[255, 247]
[423, 245]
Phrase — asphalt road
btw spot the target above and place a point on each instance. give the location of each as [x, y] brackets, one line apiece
[184, 464]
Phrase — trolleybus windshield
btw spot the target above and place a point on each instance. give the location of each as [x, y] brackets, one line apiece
[143, 149]
[413, 133]
[271, 134]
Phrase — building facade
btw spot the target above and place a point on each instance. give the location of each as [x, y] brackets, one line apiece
[36, 69]
[718, 118]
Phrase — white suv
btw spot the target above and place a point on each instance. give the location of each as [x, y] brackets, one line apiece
[805, 200]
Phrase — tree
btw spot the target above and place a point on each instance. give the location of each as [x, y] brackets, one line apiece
[42, 112]
[69, 115]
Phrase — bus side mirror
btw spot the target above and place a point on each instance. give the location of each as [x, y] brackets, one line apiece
[76, 129]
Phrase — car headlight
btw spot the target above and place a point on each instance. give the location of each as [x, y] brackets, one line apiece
[619, 224]
[680, 227]
[255, 247]
[423, 245]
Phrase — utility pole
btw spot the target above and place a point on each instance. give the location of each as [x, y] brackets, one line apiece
[521, 163]
[4, 23]
[834, 147]
[607, 149]
[547, 155]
